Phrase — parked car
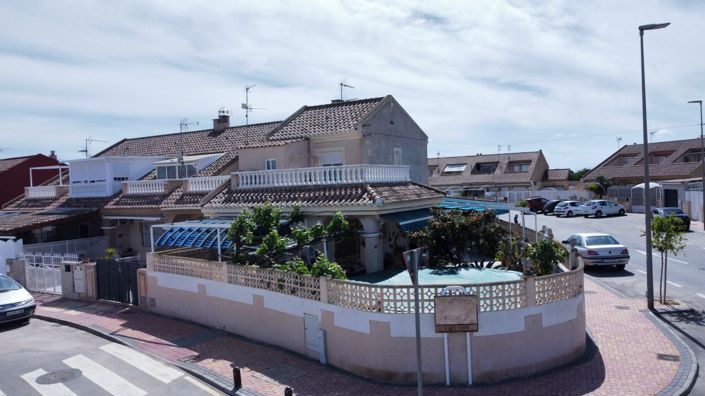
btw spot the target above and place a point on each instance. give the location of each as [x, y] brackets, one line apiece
[676, 212]
[15, 302]
[536, 204]
[550, 206]
[602, 207]
[568, 209]
[600, 249]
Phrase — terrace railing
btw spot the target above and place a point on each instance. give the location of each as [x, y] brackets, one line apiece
[93, 190]
[498, 296]
[204, 184]
[43, 192]
[325, 175]
[144, 187]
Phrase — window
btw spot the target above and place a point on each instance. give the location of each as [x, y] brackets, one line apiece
[397, 155]
[485, 168]
[516, 167]
[692, 155]
[331, 158]
[270, 164]
[454, 168]
[175, 171]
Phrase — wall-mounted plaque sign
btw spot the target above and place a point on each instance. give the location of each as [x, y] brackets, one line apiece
[456, 313]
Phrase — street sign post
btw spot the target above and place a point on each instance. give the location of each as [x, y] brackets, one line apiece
[411, 260]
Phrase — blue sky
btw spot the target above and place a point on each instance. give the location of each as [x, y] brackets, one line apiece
[561, 76]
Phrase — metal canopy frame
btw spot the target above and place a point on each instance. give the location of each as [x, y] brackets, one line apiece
[207, 233]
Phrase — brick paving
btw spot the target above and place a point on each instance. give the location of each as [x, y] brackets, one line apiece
[630, 353]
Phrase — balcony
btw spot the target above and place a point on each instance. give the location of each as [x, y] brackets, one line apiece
[204, 184]
[44, 192]
[93, 190]
[327, 175]
[144, 187]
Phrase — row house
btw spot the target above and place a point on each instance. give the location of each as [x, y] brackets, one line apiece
[366, 158]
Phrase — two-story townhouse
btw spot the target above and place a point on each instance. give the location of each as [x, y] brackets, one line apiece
[18, 172]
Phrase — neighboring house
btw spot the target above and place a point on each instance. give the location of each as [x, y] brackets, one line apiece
[366, 158]
[677, 159]
[495, 173]
[15, 174]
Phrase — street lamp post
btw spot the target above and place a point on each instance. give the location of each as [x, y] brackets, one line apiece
[647, 182]
[702, 156]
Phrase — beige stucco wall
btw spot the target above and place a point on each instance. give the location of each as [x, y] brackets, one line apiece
[291, 155]
[381, 346]
[351, 148]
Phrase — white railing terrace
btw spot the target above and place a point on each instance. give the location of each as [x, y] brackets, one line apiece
[38, 192]
[145, 187]
[92, 190]
[204, 184]
[325, 175]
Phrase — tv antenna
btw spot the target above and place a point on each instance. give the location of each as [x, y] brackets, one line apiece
[344, 85]
[183, 127]
[246, 106]
[88, 141]
[619, 143]
[652, 133]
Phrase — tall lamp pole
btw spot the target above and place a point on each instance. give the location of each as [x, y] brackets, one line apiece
[647, 182]
[702, 155]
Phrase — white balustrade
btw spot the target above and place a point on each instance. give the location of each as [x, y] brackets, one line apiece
[90, 190]
[346, 174]
[39, 192]
[204, 184]
[145, 187]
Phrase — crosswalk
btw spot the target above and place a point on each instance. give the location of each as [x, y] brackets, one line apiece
[99, 375]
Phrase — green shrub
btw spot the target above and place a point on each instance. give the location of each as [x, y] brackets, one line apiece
[110, 254]
[323, 267]
[266, 217]
[296, 265]
[302, 235]
[272, 245]
[522, 204]
[545, 255]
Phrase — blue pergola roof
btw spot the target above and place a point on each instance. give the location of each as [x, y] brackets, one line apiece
[467, 205]
[197, 234]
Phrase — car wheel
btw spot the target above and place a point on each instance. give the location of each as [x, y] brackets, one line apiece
[621, 212]
[598, 213]
[569, 214]
[621, 267]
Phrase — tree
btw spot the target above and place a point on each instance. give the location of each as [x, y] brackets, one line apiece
[667, 236]
[600, 186]
[241, 232]
[266, 217]
[579, 174]
[546, 254]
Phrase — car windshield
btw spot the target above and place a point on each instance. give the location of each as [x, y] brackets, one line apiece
[669, 212]
[600, 240]
[7, 284]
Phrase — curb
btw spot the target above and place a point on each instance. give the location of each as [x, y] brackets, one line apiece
[683, 382]
[202, 374]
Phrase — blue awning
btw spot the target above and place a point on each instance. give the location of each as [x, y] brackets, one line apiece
[410, 221]
[197, 234]
[467, 205]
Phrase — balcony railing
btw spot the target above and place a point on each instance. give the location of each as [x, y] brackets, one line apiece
[145, 187]
[346, 174]
[93, 190]
[204, 184]
[43, 192]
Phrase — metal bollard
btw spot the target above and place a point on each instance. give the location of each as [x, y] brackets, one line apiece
[288, 391]
[237, 377]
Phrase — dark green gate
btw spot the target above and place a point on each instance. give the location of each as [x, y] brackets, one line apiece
[117, 280]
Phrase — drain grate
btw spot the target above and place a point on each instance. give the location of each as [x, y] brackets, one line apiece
[58, 376]
[669, 358]
[621, 307]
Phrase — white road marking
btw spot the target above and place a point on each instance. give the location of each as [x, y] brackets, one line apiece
[46, 390]
[106, 379]
[701, 295]
[659, 256]
[150, 366]
[201, 386]
[674, 284]
[642, 272]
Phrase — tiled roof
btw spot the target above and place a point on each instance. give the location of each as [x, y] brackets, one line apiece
[334, 196]
[17, 222]
[611, 168]
[467, 177]
[192, 143]
[175, 199]
[325, 119]
[557, 174]
[7, 163]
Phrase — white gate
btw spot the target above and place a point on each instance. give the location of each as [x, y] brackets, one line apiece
[696, 204]
[43, 271]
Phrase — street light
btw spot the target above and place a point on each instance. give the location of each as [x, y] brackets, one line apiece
[647, 182]
[702, 154]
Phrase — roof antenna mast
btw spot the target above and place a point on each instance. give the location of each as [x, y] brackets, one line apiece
[183, 127]
[342, 84]
[246, 106]
[619, 143]
[88, 141]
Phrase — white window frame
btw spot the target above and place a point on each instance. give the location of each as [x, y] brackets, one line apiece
[270, 164]
[340, 150]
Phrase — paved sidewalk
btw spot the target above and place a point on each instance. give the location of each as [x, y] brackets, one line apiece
[630, 353]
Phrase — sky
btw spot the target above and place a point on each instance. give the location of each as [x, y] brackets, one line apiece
[478, 77]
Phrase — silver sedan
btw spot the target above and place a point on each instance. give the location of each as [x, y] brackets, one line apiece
[600, 249]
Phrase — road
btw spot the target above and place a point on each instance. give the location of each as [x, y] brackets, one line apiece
[49, 359]
[686, 271]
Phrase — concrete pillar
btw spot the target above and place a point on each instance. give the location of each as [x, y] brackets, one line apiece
[67, 289]
[371, 253]
[142, 292]
[91, 282]
[16, 270]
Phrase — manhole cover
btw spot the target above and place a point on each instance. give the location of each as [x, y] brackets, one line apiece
[58, 376]
[668, 358]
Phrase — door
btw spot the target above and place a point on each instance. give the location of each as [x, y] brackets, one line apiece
[117, 280]
[315, 337]
[670, 198]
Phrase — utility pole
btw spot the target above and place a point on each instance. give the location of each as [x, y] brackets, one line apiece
[702, 159]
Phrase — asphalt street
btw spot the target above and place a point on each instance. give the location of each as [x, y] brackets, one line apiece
[49, 359]
[686, 271]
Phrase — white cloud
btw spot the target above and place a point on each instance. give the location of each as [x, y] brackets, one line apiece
[534, 75]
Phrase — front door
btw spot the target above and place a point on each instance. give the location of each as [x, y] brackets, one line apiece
[670, 198]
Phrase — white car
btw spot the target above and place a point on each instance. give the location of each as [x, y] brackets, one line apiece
[16, 304]
[601, 207]
[569, 209]
[600, 249]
